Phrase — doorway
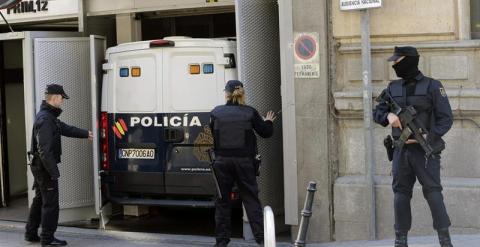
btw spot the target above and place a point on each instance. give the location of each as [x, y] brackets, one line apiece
[12, 133]
[197, 26]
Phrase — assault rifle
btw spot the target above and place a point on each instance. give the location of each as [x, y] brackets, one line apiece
[410, 125]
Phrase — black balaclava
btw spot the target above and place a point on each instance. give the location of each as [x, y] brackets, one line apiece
[407, 68]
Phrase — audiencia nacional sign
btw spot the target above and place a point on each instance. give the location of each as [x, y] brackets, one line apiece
[359, 4]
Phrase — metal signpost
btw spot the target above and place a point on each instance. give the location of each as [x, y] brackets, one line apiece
[364, 6]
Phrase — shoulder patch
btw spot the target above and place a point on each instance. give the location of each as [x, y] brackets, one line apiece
[442, 92]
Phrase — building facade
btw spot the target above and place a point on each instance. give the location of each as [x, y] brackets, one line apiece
[322, 111]
[329, 112]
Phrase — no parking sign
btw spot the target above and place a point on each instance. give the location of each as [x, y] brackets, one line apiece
[306, 55]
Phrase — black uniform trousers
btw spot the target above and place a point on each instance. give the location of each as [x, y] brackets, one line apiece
[240, 170]
[409, 163]
[44, 210]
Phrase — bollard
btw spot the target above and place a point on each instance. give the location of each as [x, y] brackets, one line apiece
[306, 214]
[269, 227]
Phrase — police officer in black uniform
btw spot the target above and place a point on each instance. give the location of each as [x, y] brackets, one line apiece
[46, 151]
[429, 99]
[235, 144]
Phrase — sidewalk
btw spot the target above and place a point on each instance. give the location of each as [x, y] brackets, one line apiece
[428, 241]
[11, 235]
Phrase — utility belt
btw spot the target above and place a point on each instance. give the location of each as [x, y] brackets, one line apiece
[391, 143]
[256, 159]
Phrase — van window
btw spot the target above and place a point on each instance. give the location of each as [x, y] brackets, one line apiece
[134, 91]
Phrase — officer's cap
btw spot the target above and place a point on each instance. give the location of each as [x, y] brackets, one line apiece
[401, 51]
[56, 89]
[232, 85]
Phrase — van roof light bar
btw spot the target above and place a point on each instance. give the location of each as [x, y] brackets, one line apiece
[162, 43]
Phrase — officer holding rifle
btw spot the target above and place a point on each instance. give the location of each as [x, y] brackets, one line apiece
[423, 116]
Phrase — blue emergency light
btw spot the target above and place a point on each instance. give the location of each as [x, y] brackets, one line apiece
[208, 68]
[124, 72]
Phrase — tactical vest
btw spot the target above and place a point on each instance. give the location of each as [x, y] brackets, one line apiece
[233, 130]
[421, 100]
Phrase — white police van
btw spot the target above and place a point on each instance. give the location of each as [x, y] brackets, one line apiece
[156, 98]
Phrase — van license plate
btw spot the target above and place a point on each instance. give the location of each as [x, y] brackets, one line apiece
[133, 153]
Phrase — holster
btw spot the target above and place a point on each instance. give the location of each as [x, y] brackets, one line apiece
[257, 162]
[389, 146]
[31, 157]
[41, 177]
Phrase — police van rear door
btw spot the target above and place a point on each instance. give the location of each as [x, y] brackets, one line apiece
[136, 122]
[97, 54]
[193, 80]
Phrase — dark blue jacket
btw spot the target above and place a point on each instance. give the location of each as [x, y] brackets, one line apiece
[430, 101]
[46, 137]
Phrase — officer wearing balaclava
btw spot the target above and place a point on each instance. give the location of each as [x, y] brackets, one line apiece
[434, 114]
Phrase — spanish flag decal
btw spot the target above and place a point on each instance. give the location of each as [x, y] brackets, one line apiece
[120, 128]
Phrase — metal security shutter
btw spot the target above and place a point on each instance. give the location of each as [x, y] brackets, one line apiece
[66, 61]
[97, 54]
[259, 68]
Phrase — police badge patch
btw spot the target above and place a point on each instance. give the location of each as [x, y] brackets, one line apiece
[442, 92]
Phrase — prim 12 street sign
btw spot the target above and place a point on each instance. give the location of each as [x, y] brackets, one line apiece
[359, 4]
[24, 11]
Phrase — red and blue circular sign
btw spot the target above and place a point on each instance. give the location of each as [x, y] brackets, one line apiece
[306, 47]
[5, 4]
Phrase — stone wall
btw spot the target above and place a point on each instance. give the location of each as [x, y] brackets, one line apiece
[405, 20]
[456, 65]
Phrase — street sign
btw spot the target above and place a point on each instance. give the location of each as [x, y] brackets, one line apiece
[39, 10]
[359, 4]
[4, 4]
[307, 63]
[306, 47]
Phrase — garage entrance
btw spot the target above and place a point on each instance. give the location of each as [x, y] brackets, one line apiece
[29, 61]
[197, 26]
[12, 133]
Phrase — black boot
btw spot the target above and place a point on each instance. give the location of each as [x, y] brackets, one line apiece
[444, 238]
[55, 242]
[32, 238]
[401, 239]
[222, 243]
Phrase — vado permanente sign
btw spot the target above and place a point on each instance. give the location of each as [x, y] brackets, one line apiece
[17, 11]
[359, 4]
